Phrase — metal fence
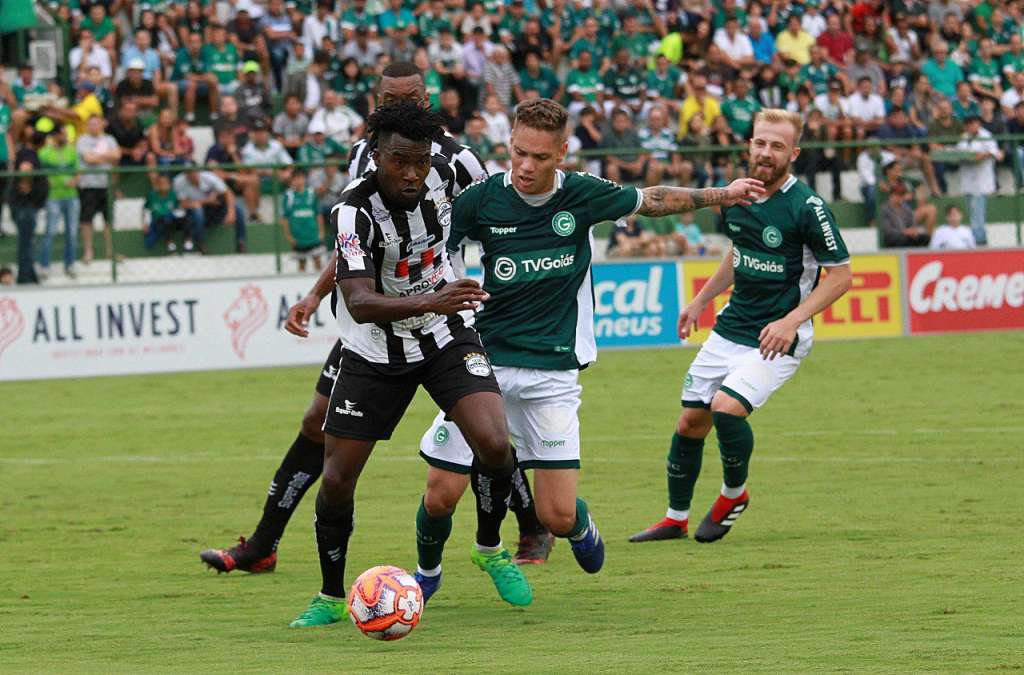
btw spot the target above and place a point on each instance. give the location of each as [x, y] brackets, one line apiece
[269, 253]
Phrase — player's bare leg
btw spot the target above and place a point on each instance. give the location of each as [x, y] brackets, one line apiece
[481, 419]
[567, 516]
[682, 468]
[434, 524]
[344, 459]
[300, 468]
[735, 443]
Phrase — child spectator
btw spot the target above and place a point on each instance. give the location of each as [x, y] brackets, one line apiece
[302, 221]
[160, 213]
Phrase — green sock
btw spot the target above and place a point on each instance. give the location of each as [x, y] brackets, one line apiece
[683, 467]
[736, 444]
[582, 521]
[431, 535]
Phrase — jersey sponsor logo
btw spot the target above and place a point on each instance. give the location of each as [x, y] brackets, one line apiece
[520, 267]
[763, 265]
[425, 284]
[563, 223]
[771, 236]
[734, 228]
[815, 201]
[349, 409]
[441, 436]
[388, 239]
[552, 444]
[349, 246]
[477, 364]
[504, 230]
[414, 322]
[826, 227]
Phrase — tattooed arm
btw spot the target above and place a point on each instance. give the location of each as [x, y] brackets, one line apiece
[661, 200]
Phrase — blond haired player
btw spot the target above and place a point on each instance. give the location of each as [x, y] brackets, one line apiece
[779, 245]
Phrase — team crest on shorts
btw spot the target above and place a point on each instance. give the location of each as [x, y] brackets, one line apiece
[563, 223]
[477, 364]
[688, 381]
[441, 436]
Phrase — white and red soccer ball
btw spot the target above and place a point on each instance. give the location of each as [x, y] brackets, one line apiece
[385, 603]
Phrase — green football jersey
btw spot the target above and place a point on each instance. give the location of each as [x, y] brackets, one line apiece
[778, 248]
[221, 62]
[5, 127]
[536, 262]
[300, 210]
[985, 73]
[160, 205]
[546, 83]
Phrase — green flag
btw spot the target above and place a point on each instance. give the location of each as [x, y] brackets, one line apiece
[16, 15]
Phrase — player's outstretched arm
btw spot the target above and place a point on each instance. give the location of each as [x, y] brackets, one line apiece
[300, 313]
[366, 305]
[719, 281]
[663, 200]
[777, 337]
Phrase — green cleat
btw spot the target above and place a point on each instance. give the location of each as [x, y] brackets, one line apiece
[321, 612]
[507, 577]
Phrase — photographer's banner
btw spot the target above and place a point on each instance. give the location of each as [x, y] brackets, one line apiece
[965, 290]
[117, 330]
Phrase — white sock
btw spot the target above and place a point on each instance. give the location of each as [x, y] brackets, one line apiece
[677, 515]
[429, 573]
[732, 493]
[489, 550]
[331, 598]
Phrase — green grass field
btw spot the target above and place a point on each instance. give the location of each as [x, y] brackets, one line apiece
[884, 532]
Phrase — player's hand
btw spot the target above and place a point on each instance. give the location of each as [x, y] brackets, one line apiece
[776, 338]
[688, 319]
[299, 315]
[457, 296]
[743, 192]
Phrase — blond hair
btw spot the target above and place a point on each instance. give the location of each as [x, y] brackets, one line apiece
[778, 115]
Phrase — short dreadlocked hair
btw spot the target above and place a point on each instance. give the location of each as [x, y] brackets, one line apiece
[406, 118]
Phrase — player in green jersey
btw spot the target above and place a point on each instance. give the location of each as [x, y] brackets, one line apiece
[534, 225]
[779, 245]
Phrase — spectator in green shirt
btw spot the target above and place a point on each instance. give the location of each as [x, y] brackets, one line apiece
[964, 105]
[302, 221]
[623, 83]
[739, 110]
[941, 71]
[583, 84]
[540, 78]
[62, 200]
[985, 75]
[221, 59]
[102, 27]
[192, 76]
[161, 213]
[475, 136]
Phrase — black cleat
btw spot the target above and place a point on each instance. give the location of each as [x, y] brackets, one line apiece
[664, 529]
[534, 549]
[721, 518]
[241, 556]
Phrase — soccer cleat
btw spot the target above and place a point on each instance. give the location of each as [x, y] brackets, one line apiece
[666, 528]
[321, 612]
[510, 582]
[589, 550]
[428, 585]
[241, 556]
[534, 549]
[721, 518]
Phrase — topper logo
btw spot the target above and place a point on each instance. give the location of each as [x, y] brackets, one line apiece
[12, 323]
[245, 316]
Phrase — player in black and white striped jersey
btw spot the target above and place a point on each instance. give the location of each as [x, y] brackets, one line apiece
[406, 321]
[403, 80]
[303, 463]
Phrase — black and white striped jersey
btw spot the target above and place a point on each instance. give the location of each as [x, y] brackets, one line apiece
[468, 166]
[404, 253]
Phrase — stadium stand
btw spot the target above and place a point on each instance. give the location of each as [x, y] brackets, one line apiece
[878, 82]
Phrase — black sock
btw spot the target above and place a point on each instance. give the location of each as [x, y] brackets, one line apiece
[521, 503]
[334, 523]
[298, 471]
[492, 490]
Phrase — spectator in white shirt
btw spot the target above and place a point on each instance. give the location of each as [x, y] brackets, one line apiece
[812, 21]
[89, 54]
[499, 127]
[866, 108]
[341, 123]
[262, 149]
[953, 235]
[735, 45]
[1012, 96]
[319, 25]
[978, 174]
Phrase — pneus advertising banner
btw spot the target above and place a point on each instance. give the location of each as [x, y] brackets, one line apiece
[115, 330]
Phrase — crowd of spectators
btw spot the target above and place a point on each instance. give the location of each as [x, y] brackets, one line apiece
[293, 81]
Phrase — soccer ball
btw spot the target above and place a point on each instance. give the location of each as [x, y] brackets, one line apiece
[385, 603]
